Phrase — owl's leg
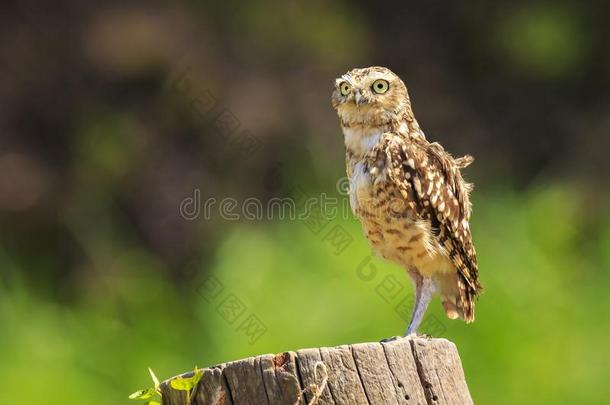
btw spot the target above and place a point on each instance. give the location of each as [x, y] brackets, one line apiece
[424, 290]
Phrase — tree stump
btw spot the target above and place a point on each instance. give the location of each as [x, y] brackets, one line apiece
[413, 370]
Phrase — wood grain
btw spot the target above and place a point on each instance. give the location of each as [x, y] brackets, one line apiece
[414, 370]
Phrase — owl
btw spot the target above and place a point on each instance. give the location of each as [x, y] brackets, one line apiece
[408, 193]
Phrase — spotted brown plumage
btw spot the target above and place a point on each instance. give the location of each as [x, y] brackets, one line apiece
[408, 193]
[441, 197]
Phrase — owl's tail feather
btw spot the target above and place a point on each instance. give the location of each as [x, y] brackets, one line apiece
[455, 308]
[458, 298]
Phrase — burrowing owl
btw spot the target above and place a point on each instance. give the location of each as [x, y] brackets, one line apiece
[408, 193]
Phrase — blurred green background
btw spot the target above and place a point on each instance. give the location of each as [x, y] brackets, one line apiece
[112, 115]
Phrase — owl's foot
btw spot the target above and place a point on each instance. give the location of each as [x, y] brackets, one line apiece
[390, 339]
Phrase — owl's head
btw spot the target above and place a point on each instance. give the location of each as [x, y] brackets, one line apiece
[373, 94]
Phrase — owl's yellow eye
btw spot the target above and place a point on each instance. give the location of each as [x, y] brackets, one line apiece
[345, 88]
[380, 86]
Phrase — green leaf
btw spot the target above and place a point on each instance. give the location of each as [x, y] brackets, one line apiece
[182, 384]
[187, 383]
[143, 394]
[152, 403]
[154, 377]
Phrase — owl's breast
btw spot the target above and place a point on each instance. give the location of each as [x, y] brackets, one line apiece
[391, 226]
[360, 185]
[365, 184]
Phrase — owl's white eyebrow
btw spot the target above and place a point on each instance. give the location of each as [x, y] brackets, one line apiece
[377, 75]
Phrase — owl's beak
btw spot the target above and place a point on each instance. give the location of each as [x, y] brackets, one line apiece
[359, 98]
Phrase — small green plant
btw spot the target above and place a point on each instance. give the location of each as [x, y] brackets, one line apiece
[187, 384]
[149, 393]
[153, 395]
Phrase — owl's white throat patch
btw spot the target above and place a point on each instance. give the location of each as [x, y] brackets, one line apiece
[361, 140]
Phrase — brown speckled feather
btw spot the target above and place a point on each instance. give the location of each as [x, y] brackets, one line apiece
[442, 199]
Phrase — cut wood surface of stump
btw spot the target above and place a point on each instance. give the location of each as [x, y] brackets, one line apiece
[415, 370]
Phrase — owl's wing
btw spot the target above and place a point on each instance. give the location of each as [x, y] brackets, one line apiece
[430, 180]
